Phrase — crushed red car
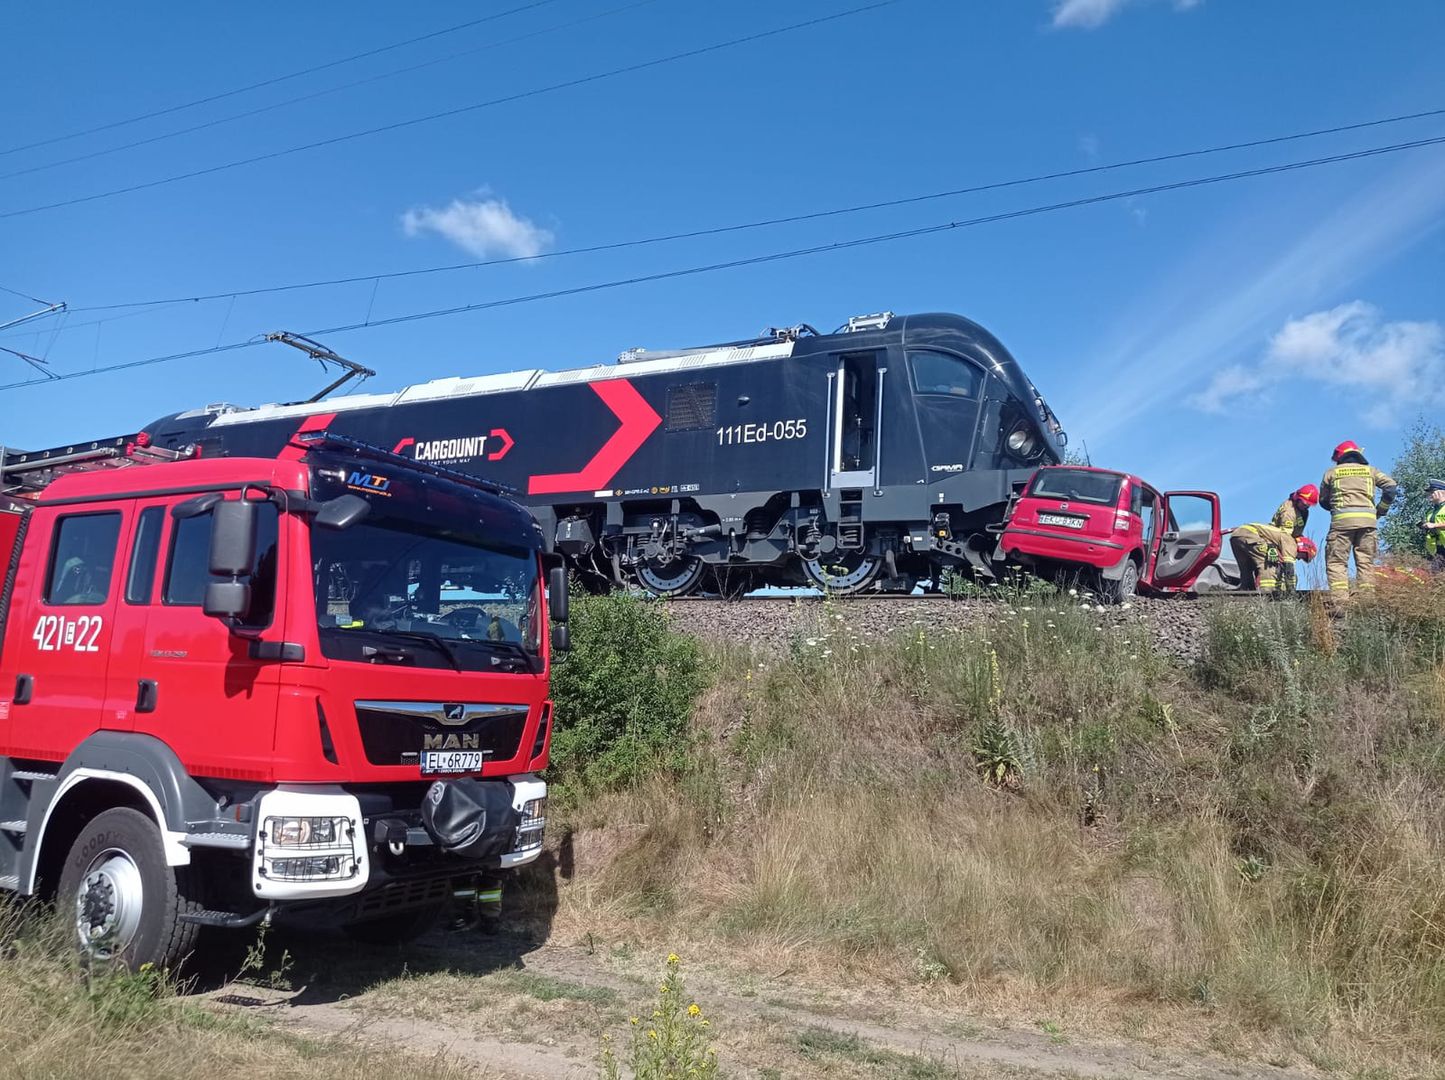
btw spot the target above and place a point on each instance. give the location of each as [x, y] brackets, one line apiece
[1113, 530]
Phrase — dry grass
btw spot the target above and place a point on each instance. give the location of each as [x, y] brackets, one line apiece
[60, 1022]
[1252, 856]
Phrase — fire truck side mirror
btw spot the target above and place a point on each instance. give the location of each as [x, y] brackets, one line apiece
[233, 538]
[342, 512]
[561, 638]
[227, 599]
[557, 599]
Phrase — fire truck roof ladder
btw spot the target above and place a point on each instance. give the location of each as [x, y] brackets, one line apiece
[32, 470]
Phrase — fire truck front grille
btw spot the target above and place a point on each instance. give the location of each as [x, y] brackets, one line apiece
[396, 732]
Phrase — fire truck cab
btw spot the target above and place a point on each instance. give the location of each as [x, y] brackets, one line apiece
[235, 686]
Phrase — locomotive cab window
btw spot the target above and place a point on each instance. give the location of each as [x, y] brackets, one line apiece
[188, 569]
[82, 559]
[943, 373]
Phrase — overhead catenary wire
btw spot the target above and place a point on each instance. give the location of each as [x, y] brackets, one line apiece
[327, 91]
[790, 219]
[777, 256]
[521, 95]
[170, 109]
[25, 296]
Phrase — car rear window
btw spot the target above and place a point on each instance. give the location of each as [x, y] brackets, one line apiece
[1077, 485]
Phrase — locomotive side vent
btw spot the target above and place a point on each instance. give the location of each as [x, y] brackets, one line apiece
[691, 406]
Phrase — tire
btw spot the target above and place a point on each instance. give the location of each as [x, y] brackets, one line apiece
[1116, 591]
[680, 577]
[123, 900]
[395, 929]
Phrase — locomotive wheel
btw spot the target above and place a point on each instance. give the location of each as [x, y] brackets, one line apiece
[676, 577]
[845, 573]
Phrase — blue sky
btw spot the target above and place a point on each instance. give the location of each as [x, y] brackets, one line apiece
[1224, 337]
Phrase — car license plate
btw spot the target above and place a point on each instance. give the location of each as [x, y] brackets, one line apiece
[450, 761]
[1061, 519]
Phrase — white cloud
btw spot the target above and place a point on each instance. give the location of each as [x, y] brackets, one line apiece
[1088, 14]
[483, 226]
[1382, 366]
[1273, 254]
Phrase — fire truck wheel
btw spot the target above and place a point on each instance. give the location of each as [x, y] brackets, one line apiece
[1116, 591]
[124, 900]
[395, 929]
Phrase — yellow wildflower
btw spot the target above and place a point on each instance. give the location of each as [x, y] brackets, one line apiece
[662, 987]
[634, 1021]
[652, 1034]
[673, 958]
[694, 1009]
[705, 1023]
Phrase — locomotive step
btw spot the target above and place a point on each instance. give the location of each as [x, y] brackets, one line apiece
[30, 775]
[17, 826]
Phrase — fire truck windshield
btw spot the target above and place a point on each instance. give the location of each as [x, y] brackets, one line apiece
[398, 590]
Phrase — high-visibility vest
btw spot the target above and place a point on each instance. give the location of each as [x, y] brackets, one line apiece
[1435, 539]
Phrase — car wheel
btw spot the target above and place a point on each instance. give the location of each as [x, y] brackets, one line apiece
[1117, 590]
[124, 901]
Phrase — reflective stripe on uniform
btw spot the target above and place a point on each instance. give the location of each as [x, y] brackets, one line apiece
[489, 896]
[1353, 519]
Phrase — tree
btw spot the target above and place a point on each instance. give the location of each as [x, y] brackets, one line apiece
[1422, 458]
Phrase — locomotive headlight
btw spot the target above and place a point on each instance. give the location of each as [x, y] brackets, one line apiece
[1021, 442]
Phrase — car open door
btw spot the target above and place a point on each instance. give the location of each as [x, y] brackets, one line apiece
[1190, 540]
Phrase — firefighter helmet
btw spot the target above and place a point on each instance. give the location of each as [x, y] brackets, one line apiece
[1306, 549]
[1349, 446]
[1309, 495]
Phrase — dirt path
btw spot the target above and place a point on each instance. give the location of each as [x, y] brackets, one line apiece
[511, 1010]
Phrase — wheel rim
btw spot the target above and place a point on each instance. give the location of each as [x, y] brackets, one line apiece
[845, 573]
[673, 578]
[108, 904]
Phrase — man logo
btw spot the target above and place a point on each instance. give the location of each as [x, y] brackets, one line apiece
[451, 741]
[454, 713]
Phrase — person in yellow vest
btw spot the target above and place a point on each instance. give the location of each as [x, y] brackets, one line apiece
[1434, 526]
[1349, 491]
[1266, 555]
[1294, 513]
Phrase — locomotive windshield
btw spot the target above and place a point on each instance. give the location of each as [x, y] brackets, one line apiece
[398, 590]
[1077, 485]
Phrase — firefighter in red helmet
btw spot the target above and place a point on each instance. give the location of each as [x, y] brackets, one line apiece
[1294, 513]
[1356, 494]
[1266, 556]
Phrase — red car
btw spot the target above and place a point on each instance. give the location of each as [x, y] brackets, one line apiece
[1113, 527]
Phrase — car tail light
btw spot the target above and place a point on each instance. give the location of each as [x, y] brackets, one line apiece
[1121, 521]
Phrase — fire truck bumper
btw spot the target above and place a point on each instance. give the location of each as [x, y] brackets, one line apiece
[318, 842]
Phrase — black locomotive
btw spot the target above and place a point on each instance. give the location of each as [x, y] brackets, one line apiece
[872, 457]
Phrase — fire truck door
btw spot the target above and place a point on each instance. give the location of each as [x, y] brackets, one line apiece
[60, 638]
[207, 692]
[125, 692]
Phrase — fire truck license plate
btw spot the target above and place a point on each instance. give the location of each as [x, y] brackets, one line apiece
[1061, 519]
[450, 761]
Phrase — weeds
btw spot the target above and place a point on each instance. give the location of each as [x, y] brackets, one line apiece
[673, 1043]
[1268, 829]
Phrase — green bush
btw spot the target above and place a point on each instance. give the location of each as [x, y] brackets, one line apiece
[623, 695]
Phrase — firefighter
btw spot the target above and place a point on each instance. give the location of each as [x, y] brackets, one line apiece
[1266, 556]
[1434, 526]
[1294, 512]
[1348, 491]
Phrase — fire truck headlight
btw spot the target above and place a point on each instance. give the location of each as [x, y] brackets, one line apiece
[302, 831]
[534, 822]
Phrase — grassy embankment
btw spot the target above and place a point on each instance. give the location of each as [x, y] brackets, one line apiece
[1039, 817]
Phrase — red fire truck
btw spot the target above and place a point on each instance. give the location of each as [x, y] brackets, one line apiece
[234, 687]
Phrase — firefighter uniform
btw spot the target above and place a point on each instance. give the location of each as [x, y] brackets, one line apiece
[1291, 517]
[1348, 491]
[1266, 556]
